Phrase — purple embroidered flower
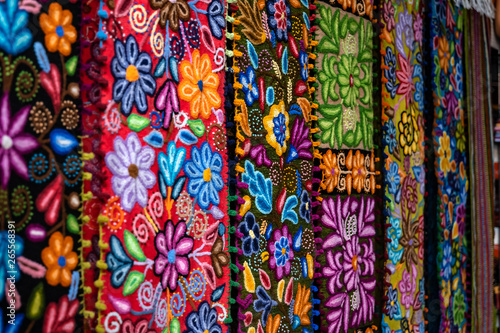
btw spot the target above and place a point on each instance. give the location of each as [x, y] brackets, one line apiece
[130, 165]
[388, 12]
[404, 29]
[281, 253]
[333, 270]
[451, 104]
[13, 142]
[446, 264]
[300, 144]
[173, 247]
[204, 320]
[417, 27]
[392, 304]
[407, 287]
[263, 303]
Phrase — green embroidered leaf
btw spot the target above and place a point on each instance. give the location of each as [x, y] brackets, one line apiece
[133, 246]
[134, 280]
[350, 138]
[339, 131]
[343, 27]
[335, 24]
[330, 111]
[352, 26]
[361, 37]
[365, 56]
[326, 45]
[366, 118]
[325, 88]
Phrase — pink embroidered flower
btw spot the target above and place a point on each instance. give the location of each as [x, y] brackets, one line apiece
[388, 13]
[173, 247]
[60, 317]
[280, 14]
[417, 27]
[407, 287]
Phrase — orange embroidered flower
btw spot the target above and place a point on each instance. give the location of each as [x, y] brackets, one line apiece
[357, 177]
[331, 171]
[59, 259]
[59, 33]
[444, 54]
[302, 306]
[199, 85]
[273, 324]
[444, 153]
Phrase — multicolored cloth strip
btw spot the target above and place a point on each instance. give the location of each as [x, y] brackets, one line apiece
[450, 141]
[348, 233]
[403, 136]
[476, 39]
[274, 232]
[164, 258]
[40, 166]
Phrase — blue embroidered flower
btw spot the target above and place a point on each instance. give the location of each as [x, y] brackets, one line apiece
[203, 321]
[304, 63]
[279, 128]
[216, 19]
[392, 304]
[263, 304]
[15, 36]
[390, 135]
[249, 86]
[204, 173]
[282, 252]
[447, 258]
[251, 233]
[5, 266]
[394, 234]
[133, 81]
[278, 18]
[390, 74]
[305, 206]
[392, 177]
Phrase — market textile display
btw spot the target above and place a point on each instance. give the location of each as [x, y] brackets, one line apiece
[403, 136]
[480, 140]
[450, 142]
[163, 226]
[40, 166]
[347, 237]
[274, 232]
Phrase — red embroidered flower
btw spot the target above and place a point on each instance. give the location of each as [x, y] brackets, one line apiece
[60, 317]
[280, 14]
[142, 326]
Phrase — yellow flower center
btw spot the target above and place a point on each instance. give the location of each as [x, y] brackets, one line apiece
[207, 175]
[132, 74]
[250, 86]
[205, 331]
[283, 251]
[354, 263]
[252, 234]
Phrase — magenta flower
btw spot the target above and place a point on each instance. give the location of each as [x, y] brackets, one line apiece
[407, 287]
[14, 143]
[173, 247]
[281, 253]
[334, 271]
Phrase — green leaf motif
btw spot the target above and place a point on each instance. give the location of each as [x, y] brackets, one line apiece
[133, 246]
[328, 79]
[133, 282]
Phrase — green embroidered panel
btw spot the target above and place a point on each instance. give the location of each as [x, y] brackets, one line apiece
[344, 63]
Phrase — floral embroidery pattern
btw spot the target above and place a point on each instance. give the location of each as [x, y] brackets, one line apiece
[451, 162]
[40, 165]
[162, 219]
[404, 171]
[273, 116]
[345, 76]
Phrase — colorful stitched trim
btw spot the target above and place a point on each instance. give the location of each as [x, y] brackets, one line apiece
[403, 135]
[165, 223]
[348, 236]
[273, 114]
[450, 147]
[40, 166]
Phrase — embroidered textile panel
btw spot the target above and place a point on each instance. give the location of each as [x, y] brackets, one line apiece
[166, 266]
[450, 148]
[403, 132]
[40, 166]
[273, 114]
[91, 81]
[477, 66]
[348, 265]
